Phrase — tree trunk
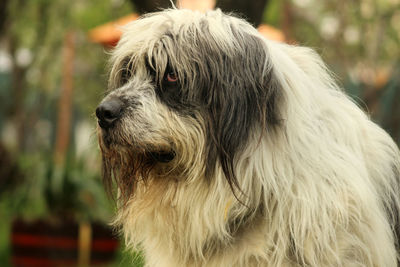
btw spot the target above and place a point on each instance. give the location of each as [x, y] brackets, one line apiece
[3, 15]
[146, 6]
[65, 102]
[251, 10]
[17, 109]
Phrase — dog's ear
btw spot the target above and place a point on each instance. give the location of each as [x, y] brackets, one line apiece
[241, 103]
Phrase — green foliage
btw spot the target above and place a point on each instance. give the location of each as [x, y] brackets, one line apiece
[89, 14]
[70, 192]
[272, 13]
[40, 26]
[73, 190]
[5, 225]
[350, 32]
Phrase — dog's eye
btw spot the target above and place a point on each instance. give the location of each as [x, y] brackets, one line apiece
[171, 77]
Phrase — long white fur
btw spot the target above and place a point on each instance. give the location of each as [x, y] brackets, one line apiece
[324, 177]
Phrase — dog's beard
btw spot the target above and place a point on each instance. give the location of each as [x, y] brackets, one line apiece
[124, 167]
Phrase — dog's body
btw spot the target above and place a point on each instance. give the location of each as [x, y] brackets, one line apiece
[232, 150]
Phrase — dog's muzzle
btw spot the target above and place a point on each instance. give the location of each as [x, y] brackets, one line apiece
[108, 112]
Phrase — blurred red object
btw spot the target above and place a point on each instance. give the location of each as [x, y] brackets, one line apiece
[46, 244]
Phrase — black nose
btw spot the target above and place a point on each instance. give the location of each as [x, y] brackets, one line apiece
[108, 112]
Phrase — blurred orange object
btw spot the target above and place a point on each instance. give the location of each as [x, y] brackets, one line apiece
[109, 34]
[271, 33]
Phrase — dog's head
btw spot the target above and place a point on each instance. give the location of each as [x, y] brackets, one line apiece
[187, 92]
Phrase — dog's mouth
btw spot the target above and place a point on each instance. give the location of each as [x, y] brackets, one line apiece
[163, 156]
[111, 142]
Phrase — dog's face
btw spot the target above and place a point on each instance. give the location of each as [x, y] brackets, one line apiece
[187, 91]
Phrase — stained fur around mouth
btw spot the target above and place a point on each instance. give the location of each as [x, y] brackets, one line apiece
[124, 167]
[163, 156]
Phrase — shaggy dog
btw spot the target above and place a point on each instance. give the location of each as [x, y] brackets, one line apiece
[228, 149]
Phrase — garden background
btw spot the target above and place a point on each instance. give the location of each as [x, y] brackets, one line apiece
[53, 74]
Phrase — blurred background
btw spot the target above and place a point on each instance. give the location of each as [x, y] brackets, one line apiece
[53, 73]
